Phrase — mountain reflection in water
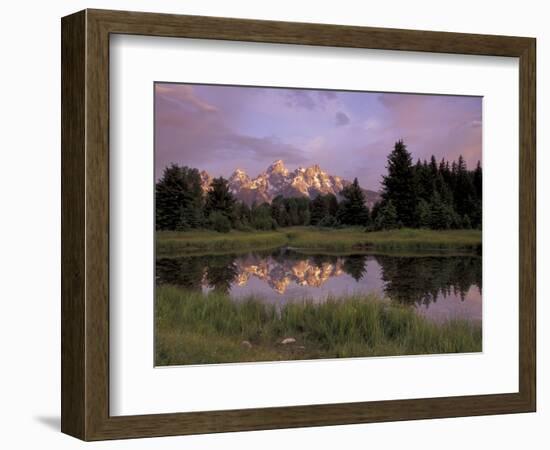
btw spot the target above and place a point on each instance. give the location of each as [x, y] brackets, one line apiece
[440, 287]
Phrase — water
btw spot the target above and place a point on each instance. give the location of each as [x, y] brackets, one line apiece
[439, 287]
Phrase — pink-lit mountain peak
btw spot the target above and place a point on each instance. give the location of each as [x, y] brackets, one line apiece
[278, 180]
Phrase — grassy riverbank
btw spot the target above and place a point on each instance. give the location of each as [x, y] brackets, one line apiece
[311, 238]
[192, 328]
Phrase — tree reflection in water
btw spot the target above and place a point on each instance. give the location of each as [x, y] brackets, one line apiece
[422, 279]
[405, 279]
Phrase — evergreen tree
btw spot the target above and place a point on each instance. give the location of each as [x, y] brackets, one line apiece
[399, 184]
[319, 209]
[261, 217]
[445, 170]
[352, 209]
[387, 218]
[464, 191]
[332, 204]
[219, 198]
[240, 218]
[441, 216]
[302, 205]
[477, 180]
[323, 206]
[423, 214]
[178, 199]
[433, 167]
[423, 181]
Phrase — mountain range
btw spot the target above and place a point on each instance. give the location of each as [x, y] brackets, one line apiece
[278, 180]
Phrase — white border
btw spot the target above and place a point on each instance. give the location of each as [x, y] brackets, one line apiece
[138, 388]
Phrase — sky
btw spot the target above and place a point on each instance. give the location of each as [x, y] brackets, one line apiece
[220, 128]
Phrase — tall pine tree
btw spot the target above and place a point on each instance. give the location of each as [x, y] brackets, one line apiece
[353, 210]
[399, 184]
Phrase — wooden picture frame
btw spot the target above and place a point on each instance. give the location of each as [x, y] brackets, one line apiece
[85, 224]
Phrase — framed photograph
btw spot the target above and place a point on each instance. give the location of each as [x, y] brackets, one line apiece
[273, 225]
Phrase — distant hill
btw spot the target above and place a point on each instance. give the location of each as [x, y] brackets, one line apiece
[278, 180]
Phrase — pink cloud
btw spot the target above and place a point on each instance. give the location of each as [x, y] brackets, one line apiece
[184, 94]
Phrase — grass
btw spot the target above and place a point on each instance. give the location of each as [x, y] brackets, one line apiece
[204, 241]
[311, 238]
[405, 238]
[194, 328]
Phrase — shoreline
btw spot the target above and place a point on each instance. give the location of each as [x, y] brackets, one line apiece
[312, 239]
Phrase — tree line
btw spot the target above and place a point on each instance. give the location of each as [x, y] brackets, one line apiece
[423, 195]
[429, 194]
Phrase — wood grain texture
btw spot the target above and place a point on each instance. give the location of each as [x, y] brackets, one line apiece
[151, 24]
[97, 225]
[85, 224]
[527, 224]
[73, 227]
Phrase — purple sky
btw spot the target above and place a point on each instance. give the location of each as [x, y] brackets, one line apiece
[349, 134]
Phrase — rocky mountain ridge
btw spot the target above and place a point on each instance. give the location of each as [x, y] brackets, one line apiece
[278, 180]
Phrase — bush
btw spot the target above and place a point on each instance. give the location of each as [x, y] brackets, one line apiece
[219, 222]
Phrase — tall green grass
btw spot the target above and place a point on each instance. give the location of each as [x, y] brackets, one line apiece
[194, 328]
[311, 238]
[402, 239]
[203, 241]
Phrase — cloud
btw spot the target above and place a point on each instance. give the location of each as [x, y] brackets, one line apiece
[308, 99]
[300, 99]
[342, 119]
[185, 95]
[260, 148]
[198, 138]
[442, 125]
[218, 128]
